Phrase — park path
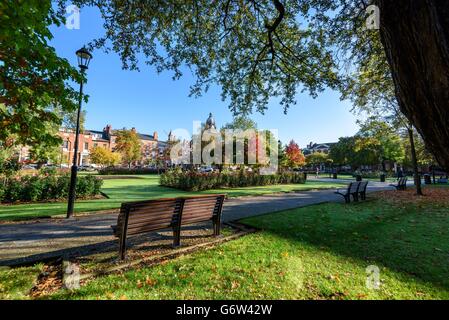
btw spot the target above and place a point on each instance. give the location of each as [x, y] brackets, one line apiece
[31, 241]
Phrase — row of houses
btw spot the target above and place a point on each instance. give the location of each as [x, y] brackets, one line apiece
[151, 146]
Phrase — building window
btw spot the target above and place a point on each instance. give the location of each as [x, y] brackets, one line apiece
[95, 145]
[86, 146]
[65, 144]
[105, 145]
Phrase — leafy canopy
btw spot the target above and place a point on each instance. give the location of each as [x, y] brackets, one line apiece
[128, 144]
[33, 79]
[254, 50]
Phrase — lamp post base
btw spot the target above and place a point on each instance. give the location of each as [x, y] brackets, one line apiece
[72, 192]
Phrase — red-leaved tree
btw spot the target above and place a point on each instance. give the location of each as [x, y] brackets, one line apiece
[294, 155]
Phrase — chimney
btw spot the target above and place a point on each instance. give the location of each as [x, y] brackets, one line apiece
[155, 136]
[108, 130]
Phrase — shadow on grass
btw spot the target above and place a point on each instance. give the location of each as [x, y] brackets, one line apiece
[144, 243]
[408, 239]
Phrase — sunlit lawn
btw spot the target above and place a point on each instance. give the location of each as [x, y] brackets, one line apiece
[140, 188]
[317, 252]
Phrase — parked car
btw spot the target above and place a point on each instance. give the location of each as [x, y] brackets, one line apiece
[87, 168]
[29, 167]
[206, 169]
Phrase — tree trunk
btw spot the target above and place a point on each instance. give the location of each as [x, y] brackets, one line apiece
[415, 35]
[415, 162]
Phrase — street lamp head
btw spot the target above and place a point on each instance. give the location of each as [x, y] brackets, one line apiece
[84, 58]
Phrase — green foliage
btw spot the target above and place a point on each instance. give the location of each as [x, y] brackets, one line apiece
[195, 181]
[380, 138]
[33, 79]
[45, 152]
[69, 120]
[104, 157]
[46, 186]
[128, 144]
[316, 159]
[375, 143]
[241, 123]
[423, 156]
[9, 162]
[254, 50]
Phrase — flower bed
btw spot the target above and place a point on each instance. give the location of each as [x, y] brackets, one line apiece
[46, 187]
[195, 181]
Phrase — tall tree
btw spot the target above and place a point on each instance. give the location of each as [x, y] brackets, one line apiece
[259, 49]
[33, 79]
[69, 120]
[383, 140]
[295, 157]
[104, 157]
[371, 89]
[127, 143]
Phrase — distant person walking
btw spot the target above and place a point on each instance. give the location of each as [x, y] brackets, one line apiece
[317, 172]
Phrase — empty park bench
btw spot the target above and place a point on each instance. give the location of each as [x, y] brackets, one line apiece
[154, 215]
[401, 185]
[353, 189]
[362, 189]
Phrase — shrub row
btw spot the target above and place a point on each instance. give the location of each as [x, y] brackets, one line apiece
[195, 181]
[372, 174]
[46, 188]
[125, 171]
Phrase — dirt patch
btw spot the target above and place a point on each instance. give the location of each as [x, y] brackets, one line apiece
[147, 246]
[432, 196]
[49, 280]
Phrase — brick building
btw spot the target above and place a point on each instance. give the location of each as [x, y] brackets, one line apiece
[151, 146]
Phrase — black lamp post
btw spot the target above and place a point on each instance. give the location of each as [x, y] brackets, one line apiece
[84, 58]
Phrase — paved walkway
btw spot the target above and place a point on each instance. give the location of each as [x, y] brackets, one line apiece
[31, 241]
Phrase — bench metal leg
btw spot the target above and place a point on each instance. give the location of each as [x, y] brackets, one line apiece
[348, 198]
[217, 227]
[122, 250]
[176, 238]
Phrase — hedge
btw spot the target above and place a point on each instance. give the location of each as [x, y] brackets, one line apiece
[125, 171]
[46, 187]
[195, 181]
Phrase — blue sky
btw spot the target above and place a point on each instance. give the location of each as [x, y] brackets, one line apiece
[151, 102]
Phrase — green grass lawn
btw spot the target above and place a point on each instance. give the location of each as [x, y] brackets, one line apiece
[142, 187]
[317, 252]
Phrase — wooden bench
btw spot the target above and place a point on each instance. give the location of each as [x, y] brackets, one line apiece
[353, 189]
[362, 189]
[153, 215]
[401, 185]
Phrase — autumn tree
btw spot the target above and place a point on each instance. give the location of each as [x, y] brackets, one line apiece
[104, 157]
[295, 157]
[127, 143]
